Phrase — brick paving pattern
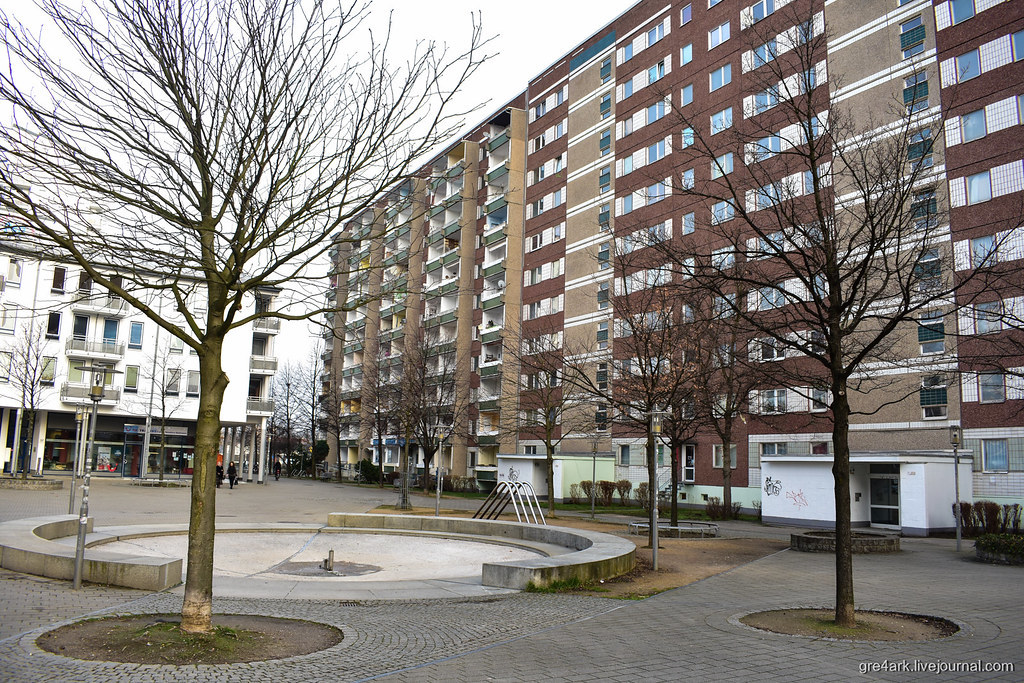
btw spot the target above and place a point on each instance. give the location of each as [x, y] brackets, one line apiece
[687, 634]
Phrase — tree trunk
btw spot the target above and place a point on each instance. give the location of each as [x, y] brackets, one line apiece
[727, 470]
[676, 456]
[841, 475]
[652, 491]
[550, 453]
[197, 608]
[29, 426]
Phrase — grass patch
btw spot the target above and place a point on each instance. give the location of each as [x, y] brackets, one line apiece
[561, 586]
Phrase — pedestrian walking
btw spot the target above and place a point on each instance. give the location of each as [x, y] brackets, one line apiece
[232, 474]
[220, 475]
[277, 470]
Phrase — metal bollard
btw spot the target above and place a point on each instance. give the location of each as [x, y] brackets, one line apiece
[83, 522]
[329, 562]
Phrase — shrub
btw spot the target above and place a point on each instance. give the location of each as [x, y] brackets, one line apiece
[716, 510]
[643, 498]
[575, 493]
[987, 514]
[757, 509]
[1011, 519]
[624, 486]
[368, 471]
[1011, 545]
[606, 491]
[588, 487]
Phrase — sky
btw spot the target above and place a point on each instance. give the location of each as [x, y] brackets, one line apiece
[529, 36]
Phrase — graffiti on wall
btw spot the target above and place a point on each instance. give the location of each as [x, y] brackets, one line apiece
[772, 487]
[797, 498]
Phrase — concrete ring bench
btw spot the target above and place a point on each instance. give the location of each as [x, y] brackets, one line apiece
[592, 556]
[693, 529]
[27, 546]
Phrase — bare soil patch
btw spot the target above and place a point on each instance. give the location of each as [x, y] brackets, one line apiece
[871, 626]
[158, 639]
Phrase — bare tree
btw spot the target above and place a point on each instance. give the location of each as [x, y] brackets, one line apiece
[32, 376]
[825, 242]
[202, 150]
[164, 372]
[550, 409]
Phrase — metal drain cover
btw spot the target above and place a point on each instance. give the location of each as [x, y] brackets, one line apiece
[341, 569]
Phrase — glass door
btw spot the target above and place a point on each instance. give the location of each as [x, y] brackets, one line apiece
[885, 495]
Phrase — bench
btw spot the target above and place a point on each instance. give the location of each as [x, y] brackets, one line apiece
[681, 530]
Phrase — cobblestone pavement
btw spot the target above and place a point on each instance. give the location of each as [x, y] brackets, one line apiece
[690, 633]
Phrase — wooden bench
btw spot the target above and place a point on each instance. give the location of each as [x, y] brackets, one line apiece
[681, 530]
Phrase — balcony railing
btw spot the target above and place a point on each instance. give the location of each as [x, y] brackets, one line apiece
[79, 393]
[99, 303]
[83, 347]
[266, 325]
[260, 406]
[263, 363]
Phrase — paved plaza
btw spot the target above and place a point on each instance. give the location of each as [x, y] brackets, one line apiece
[687, 634]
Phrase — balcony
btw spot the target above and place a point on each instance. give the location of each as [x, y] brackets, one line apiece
[103, 350]
[495, 205]
[497, 142]
[79, 394]
[102, 304]
[494, 269]
[494, 174]
[494, 237]
[267, 325]
[259, 406]
[493, 335]
[263, 365]
[494, 302]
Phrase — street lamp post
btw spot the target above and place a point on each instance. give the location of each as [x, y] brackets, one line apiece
[656, 419]
[440, 453]
[80, 414]
[99, 374]
[956, 435]
[593, 475]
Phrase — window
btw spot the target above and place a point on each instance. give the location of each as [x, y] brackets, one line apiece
[928, 270]
[627, 89]
[602, 376]
[604, 214]
[721, 76]
[983, 251]
[539, 142]
[819, 400]
[962, 10]
[602, 336]
[606, 70]
[712, 3]
[131, 379]
[992, 387]
[627, 203]
[80, 329]
[623, 454]
[931, 333]
[771, 349]
[685, 15]
[604, 178]
[655, 34]
[560, 127]
[919, 152]
[933, 396]
[915, 92]
[60, 273]
[766, 99]
[721, 212]
[923, 209]
[604, 255]
[968, 66]
[770, 297]
[192, 389]
[979, 188]
[995, 455]
[53, 325]
[173, 382]
[972, 126]
[14, 270]
[48, 371]
[805, 32]
[606, 105]
[656, 152]
[656, 72]
[761, 9]
[602, 296]
[718, 35]
[686, 54]
[176, 345]
[686, 96]
[540, 110]
[690, 463]
[135, 336]
[8, 318]
[627, 126]
[988, 317]
[84, 282]
[721, 121]
[627, 52]
[765, 53]
[1017, 39]
[5, 366]
[821, 447]
[717, 456]
[656, 111]
[688, 138]
[777, 448]
[655, 193]
[605, 144]
[912, 37]
[767, 147]
[808, 80]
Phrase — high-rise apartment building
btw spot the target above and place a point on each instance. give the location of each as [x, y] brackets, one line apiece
[517, 233]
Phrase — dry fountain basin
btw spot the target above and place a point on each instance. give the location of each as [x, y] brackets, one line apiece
[375, 556]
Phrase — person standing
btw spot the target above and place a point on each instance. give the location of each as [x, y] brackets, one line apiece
[220, 475]
[277, 470]
[232, 474]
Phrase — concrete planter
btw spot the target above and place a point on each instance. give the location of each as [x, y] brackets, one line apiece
[863, 542]
[31, 484]
[997, 558]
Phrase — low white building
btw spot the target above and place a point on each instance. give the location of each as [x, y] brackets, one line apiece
[151, 377]
[907, 491]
